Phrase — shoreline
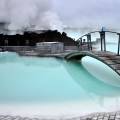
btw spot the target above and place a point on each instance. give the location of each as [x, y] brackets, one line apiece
[32, 52]
[50, 112]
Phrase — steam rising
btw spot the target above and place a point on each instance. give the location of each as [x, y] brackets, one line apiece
[29, 14]
[52, 14]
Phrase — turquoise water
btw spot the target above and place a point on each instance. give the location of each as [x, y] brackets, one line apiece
[52, 80]
[51, 86]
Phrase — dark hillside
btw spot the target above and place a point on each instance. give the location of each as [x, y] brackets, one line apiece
[31, 38]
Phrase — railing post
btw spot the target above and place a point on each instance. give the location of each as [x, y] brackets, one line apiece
[103, 41]
[89, 41]
[80, 43]
[118, 44]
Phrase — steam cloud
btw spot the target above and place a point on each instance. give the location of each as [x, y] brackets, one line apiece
[48, 14]
[32, 14]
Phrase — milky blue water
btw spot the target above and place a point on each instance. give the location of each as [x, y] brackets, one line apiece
[50, 80]
[85, 86]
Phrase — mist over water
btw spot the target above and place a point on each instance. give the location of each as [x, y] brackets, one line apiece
[29, 14]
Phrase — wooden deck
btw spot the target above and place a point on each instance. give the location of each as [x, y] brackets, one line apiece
[108, 58]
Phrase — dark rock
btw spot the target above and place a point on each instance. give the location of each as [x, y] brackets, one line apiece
[31, 38]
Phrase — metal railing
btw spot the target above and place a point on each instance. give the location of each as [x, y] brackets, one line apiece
[81, 41]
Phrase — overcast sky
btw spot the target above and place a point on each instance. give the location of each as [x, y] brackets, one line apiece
[54, 14]
[87, 13]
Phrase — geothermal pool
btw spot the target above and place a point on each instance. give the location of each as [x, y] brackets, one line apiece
[32, 86]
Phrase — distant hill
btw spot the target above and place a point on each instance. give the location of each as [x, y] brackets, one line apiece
[32, 37]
